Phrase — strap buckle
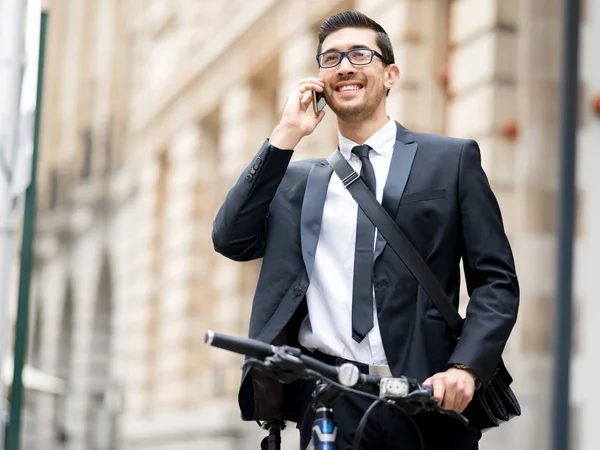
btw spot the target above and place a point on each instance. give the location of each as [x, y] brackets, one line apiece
[350, 179]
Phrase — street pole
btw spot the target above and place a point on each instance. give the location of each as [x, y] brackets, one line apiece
[14, 428]
[566, 224]
[12, 37]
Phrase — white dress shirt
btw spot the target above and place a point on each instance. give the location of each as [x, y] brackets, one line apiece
[328, 327]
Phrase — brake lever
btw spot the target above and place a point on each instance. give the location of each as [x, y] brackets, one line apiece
[424, 398]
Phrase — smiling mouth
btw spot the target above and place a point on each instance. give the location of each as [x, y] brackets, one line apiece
[349, 88]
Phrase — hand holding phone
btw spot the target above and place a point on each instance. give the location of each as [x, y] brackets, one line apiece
[295, 123]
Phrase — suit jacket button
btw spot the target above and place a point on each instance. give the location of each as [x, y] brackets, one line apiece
[256, 166]
[252, 171]
[258, 160]
[249, 177]
[298, 291]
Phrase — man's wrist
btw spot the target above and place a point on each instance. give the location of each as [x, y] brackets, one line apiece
[465, 368]
[468, 369]
[284, 137]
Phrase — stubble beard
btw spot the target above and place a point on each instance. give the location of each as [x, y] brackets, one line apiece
[359, 113]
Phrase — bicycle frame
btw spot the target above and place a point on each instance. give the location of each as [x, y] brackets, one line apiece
[324, 428]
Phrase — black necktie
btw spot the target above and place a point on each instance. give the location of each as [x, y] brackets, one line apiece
[362, 286]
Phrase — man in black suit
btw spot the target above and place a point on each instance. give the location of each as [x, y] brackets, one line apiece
[319, 291]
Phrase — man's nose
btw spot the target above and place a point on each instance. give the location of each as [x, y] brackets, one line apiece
[345, 67]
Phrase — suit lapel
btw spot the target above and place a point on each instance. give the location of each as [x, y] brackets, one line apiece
[312, 211]
[402, 160]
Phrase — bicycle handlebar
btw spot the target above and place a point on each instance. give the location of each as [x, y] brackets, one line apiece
[258, 349]
[347, 374]
[243, 346]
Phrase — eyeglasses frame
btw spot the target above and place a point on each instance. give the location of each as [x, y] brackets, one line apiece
[346, 55]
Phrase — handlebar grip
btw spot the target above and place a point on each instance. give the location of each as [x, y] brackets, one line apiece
[368, 380]
[318, 366]
[243, 346]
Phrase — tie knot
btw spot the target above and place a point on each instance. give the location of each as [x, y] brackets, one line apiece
[362, 151]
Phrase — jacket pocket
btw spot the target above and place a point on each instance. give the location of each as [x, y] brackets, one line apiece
[434, 314]
[423, 195]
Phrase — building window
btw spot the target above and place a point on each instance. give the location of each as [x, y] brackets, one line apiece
[108, 156]
[65, 350]
[86, 165]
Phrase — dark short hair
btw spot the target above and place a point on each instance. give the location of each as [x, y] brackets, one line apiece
[356, 19]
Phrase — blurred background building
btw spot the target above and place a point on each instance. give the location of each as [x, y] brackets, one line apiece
[151, 110]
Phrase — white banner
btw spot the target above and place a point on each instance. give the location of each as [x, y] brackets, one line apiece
[22, 163]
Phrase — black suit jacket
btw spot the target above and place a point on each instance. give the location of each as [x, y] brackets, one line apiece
[440, 197]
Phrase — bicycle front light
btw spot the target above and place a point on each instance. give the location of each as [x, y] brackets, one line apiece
[393, 387]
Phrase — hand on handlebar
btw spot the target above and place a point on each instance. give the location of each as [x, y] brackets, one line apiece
[453, 389]
[288, 364]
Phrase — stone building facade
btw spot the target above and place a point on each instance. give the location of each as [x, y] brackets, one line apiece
[151, 110]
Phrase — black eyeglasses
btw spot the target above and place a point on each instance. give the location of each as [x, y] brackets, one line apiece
[357, 57]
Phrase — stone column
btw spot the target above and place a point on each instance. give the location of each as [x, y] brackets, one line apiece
[138, 250]
[534, 229]
[418, 31]
[173, 343]
[86, 261]
[51, 277]
[208, 191]
[131, 232]
[227, 276]
[137, 284]
[482, 104]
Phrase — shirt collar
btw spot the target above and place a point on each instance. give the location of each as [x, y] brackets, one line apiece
[382, 141]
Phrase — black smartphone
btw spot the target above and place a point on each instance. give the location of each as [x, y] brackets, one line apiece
[318, 101]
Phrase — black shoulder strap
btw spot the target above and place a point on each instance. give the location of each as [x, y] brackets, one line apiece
[397, 240]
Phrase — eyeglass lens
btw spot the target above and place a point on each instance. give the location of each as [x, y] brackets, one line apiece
[357, 57]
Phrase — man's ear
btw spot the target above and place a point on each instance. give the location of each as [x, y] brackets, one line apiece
[392, 76]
